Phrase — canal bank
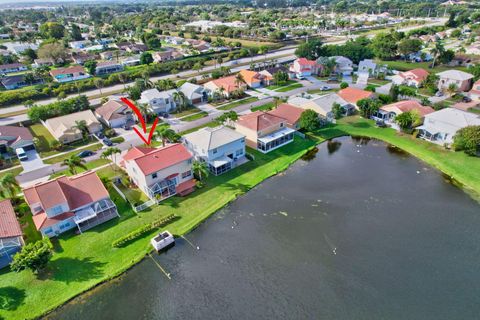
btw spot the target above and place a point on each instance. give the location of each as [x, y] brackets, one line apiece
[82, 262]
[336, 236]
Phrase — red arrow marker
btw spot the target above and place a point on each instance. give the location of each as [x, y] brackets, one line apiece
[142, 121]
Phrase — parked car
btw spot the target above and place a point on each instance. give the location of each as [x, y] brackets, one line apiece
[466, 99]
[127, 127]
[21, 154]
[325, 88]
[100, 135]
[107, 142]
[86, 153]
[439, 94]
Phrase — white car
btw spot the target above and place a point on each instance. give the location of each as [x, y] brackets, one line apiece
[21, 154]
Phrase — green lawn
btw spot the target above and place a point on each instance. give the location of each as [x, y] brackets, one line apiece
[82, 261]
[264, 107]
[44, 137]
[94, 147]
[462, 168]
[289, 88]
[319, 91]
[196, 116]
[89, 166]
[405, 66]
[275, 86]
[238, 103]
[185, 112]
[210, 124]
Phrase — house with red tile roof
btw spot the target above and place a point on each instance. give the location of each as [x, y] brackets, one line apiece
[353, 95]
[264, 131]
[69, 74]
[388, 112]
[413, 78]
[290, 113]
[64, 203]
[253, 79]
[160, 172]
[225, 85]
[11, 240]
[303, 67]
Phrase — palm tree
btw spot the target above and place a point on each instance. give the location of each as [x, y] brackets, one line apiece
[180, 100]
[276, 100]
[165, 133]
[99, 83]
[112, 153]
[436, 52]
[452, 89]
[122, 77]
[73, 162]
[82, 127]
[200, 169]
[9, 186]
[239, 80]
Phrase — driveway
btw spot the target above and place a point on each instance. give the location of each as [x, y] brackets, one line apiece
[33, 163]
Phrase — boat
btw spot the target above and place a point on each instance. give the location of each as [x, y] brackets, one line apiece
[163, 240]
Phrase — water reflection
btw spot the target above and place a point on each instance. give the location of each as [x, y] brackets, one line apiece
[397, 151]
[361, 140]
[333, 146]
[310, 154]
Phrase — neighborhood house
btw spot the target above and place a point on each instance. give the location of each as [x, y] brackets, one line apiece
[225, 85]
[461, 80]
[388, 112]
[65, 130]
[413, 78]
[69, 74]
[263, 131]
[114, 114]
[160, 172]
[15, 137]
[65, 203]
[194, 92]
[11, 240]
[303, 67]
[353, 95]
[221, 148]
[158, 102]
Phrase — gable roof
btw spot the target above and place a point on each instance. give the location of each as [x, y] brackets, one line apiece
[14, 134]
[211, 138]
[455, 75]
[288, 112]
[60, 71]
[306, 62]
[151, 94]
[250, 76]
[9, 226]
[259, 120]
[417, 74]
[60, 125]
[353, 95]
[451, 117]
[77, 191]
[228, 83]
[156, 159]
[408, 105]
[111, 109]
[191, 89]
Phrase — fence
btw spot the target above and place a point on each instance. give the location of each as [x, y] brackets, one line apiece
[301, 135]
[144, 205]
[124, 197]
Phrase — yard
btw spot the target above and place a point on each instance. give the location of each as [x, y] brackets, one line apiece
[82, 261]
[405, 66]
[289, 88]
[184, 113]
[94, 147]
[264, 107]
[237, 103]
[278, 86]
[196, 116]
[44, 137]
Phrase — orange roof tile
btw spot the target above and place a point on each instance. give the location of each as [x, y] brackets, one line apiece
[352, 95]
[288, 112]
[259, 120]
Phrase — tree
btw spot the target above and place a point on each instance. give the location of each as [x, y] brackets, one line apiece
[406, 120]
[9, 186]
[111, 153]
[239, 80]
[384, 46]
[181, 101]
[75, 33]
[452, 89]
[309, 120]
[394, 92]
[146, 58]
[91, 66]
[343, 85]
[200, 170]
[310, 50]
[99, 83]
[409, 46]
[30, 54]
[55, 51]
[197, 67]
[467, 139]
[52, 30]
[430, 83]
[33, 256]
[164, 133]
[73, 162]
[280, 77]
[368, 107]
[227, 117]
[81, 125]
[437, 51]
[337, 110]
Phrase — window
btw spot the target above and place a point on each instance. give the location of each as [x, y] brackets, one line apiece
[239, 152]
[189, 161]
[186, 174]
[154, 175]
[281, 124]
[214, 150]
[57, 210]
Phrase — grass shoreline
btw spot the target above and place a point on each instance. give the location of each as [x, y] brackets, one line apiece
[229, 187]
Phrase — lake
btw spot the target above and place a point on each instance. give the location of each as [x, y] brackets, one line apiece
[359, 230]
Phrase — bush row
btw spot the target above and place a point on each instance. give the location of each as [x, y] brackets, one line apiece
[137, 233]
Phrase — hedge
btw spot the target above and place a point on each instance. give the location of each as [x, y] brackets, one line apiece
[137, 233]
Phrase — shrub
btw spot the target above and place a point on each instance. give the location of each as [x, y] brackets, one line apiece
[343, 85]
[110, 133]
[33, 256]
[468, 140]
[137, 233]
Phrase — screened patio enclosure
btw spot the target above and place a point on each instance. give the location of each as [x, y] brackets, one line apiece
[220, 165]
[163, 189]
